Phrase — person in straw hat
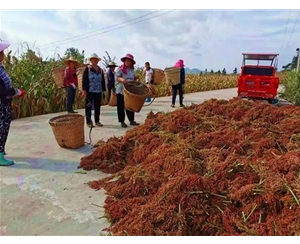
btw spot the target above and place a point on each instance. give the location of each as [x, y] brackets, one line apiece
[71, 82]
[110, 78]
[93, 84]
[125, 74]
[7, 92]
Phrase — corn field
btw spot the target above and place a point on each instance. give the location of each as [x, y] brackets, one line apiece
[32, 74]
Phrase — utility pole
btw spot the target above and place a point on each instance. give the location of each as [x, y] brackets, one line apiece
[298, 62]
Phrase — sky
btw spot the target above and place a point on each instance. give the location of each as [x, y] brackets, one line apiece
[204, 39]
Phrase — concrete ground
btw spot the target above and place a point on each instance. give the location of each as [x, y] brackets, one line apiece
[43, 194]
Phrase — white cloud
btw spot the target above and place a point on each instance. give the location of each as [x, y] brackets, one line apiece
[211, 39]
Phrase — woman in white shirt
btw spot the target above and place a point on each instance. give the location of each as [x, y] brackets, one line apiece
[148, 72]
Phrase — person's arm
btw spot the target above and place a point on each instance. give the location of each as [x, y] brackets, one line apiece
[182, 74]
[5, 79]
[103, 81]
[151, 76]
[119, 77]
[85, 79]
[67, 77]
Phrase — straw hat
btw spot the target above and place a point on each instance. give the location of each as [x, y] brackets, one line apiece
[129, 56]
[71, 59]
[112, 64]
[3, 46]
[94, 55]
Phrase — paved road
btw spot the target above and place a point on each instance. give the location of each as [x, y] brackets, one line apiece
[41, 194]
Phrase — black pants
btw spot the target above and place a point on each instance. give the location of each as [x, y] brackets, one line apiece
[121, 110]
[109, 93]
[5, 120]
[174, 93]
[70, 98]
[90, 99]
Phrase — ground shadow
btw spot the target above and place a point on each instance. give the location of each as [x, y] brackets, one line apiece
[47, 164]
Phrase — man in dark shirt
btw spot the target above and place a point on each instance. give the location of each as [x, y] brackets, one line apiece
[110, 78]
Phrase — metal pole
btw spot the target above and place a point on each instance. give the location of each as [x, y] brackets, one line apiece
[298, 62]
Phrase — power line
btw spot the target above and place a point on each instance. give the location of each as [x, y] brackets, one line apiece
[293, 28]
[286, 27]
[90, 34]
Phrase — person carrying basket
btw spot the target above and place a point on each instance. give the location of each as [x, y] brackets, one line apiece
[124, 75]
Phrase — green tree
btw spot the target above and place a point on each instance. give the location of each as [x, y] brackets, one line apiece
[235, 71]
[224, 72]
[293, 64]
[74, 52]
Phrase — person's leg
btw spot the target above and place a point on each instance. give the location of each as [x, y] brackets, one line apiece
[174, 94]
[180, 95]
[5, 120]
[73, 95]
[121, 109]
[108, 94]
[69, 99]
[130, 116]
[88, 108]
[97, 102]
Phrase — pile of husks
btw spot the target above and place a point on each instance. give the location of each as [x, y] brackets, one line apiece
[219, 168]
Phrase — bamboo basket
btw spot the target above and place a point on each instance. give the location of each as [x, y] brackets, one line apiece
[172, 75]
[135, 94]
[68, 130]
[58, 76]
[158, 76]
[79, 72]
[113, 99]
[153, 91]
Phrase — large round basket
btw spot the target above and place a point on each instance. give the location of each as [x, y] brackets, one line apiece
[79, 73]
[113, 99]
[135, 94]
[68, 130]
[158, 76]
[172, 75]
[153, 91]
[58, 76]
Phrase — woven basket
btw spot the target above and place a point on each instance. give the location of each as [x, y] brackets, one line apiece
[58, 76]
[135, 94]
[79, 72]
[68, 130]
[153, 91]
[158, 76]
[113, 99]
[172, 75]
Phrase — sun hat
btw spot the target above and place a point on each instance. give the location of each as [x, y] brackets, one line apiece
[179, 64]
[112, 64]
[129, 56]
[3, 46]
[94, 55]
[71, 59]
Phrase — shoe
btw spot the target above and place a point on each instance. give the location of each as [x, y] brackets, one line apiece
[4, 161]
[90, 125]
[134, 123]
[123, 125]
[181, 105]
[99, 124]
[173, 105]
[72, 112]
